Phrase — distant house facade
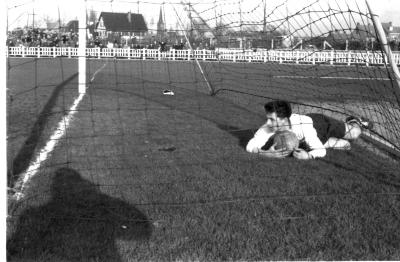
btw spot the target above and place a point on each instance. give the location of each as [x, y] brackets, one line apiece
[367, 32]
[121, 24]
[53, 25]
[364, 32]
[392, 32]
[72, 26]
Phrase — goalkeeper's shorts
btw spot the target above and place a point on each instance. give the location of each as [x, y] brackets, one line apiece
[327, 127]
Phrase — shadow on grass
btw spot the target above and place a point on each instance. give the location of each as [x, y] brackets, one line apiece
[79, 223]
[25, 154]
[243, 135]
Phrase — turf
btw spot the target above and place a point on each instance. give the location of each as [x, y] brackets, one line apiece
[145, 176]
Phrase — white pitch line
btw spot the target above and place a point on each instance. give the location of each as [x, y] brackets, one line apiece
[98, 70]
[333, 77]
[50, 145]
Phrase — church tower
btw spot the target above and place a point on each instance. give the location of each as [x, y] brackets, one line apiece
[161, 26]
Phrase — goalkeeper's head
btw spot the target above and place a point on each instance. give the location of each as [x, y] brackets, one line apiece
[278, 113]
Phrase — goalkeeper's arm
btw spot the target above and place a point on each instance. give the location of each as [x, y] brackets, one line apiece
[255, 145]
[258, 141]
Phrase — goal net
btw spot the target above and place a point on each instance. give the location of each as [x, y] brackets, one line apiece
[324, 57]
[159, 119]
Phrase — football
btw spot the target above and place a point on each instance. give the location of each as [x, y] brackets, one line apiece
[283, 139]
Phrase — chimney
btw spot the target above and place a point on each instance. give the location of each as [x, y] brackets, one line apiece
[129, 17]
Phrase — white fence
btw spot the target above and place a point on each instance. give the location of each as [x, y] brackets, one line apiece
[233, 55]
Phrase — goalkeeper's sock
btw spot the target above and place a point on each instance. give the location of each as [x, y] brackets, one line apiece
[362, 122]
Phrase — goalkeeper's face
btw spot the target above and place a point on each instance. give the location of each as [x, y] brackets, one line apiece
[275, 123]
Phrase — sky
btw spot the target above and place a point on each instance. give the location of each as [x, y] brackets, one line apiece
[20, 11]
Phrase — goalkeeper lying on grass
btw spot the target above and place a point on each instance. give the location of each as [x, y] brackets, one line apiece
[316, 132]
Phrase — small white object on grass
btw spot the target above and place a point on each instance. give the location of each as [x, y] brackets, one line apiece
[168, 92]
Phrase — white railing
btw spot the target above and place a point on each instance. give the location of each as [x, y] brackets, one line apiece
[234, 55]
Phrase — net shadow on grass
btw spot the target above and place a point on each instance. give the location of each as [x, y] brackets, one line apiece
[381, 170]
[79, 223]
[219, 111]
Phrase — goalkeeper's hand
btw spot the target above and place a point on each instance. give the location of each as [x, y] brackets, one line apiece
[301, 154]
[274, 153]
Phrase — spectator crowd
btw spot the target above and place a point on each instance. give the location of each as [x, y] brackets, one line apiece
[52, 38]
[41, 38]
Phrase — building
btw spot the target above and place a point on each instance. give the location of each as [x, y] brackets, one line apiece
[392, 32]
[121, 24]
[364, 32]
[367, 32]
[53, 25]
[72, 26]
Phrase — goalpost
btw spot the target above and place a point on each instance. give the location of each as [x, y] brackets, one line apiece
[82, 46]
[382, 37]
[386, 48]
[3, 134]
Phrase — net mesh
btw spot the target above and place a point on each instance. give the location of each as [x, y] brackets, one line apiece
[153, 154]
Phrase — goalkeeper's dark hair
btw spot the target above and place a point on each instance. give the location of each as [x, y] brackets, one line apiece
[280, 107]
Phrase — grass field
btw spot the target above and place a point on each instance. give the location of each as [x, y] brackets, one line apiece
[140, 175]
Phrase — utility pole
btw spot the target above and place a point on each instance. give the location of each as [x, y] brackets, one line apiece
[287, 18]
[309, 21]
[191, 21]
[33, 15]
[242, 46]
[216, 30]
[165, 21]
[7, 20]
[265, 18]
[288, 35]
[264, 35]
[59, 23]
[215, 13]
